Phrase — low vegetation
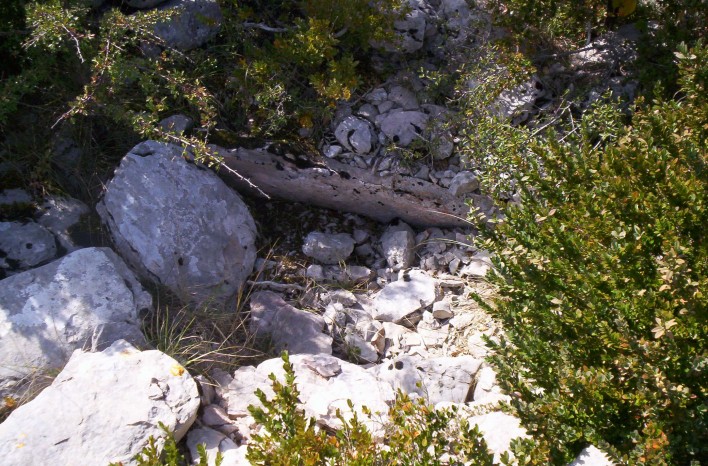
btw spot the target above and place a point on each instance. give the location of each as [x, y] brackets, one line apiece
[601, 261]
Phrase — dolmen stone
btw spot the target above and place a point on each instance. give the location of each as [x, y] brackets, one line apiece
[289, 328]
[101, 408]
[87, 299]
[179, 224]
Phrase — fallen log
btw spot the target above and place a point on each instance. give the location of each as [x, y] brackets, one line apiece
[335, 185]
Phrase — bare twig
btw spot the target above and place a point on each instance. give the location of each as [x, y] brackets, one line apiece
[276, 285]
[263, 27]
[76, 41]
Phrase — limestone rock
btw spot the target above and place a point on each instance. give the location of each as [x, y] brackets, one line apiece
[179, 224]
[437, 379]
[25, 245]
[59, 215]
[486, 385]
[192, 24]
[403, 127]
[463, 183]
[402, 301]
[356, 134]
[480, 264]
[398, 244]
[410, 30]
[349, 274]
[441, 310]
[403, 98]
[110, 404]
[328, 248]
[518, 104]
[177, 124]
[215, 442]
[325, 384]
[360, 349]
[498, 429]
[289, 328]
[87, 299]
[14, 196]
[592, 456]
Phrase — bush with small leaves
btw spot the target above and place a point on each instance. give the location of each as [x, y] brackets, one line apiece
[602, 272]
[417, 434]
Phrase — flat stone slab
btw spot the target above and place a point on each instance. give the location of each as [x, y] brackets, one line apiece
[402, 301]
[101, 408]
[87, 299]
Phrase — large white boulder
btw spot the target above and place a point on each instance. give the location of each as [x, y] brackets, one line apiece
[179, 224]
[87, 299]
[101, 408]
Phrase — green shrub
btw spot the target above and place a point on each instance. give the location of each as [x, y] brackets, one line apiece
[603, 279]
[416, 435]
[274, 69]
[169, 453]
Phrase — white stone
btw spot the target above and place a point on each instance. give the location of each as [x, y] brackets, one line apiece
[176, 124]
[403, 127]
[463, 183]
[101, 408]
[356, 134]
[398, 245]
[215, 442]
[441, 310]
[179, 224]
[328, 248]
[25, 245]
[403, 98]
[402, 301]
[592, 456]
[325, 384]
[498, 430]
[59, 215]
[87, 299]
[436, 379]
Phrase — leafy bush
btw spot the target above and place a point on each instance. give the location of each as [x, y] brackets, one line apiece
[603, 278]
[275, 68]
[168, 454]
[416, 435]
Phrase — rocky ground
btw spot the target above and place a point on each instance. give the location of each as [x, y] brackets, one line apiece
[369, 297]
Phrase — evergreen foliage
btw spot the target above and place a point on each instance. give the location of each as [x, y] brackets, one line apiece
[417, 434]
[602, 271]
